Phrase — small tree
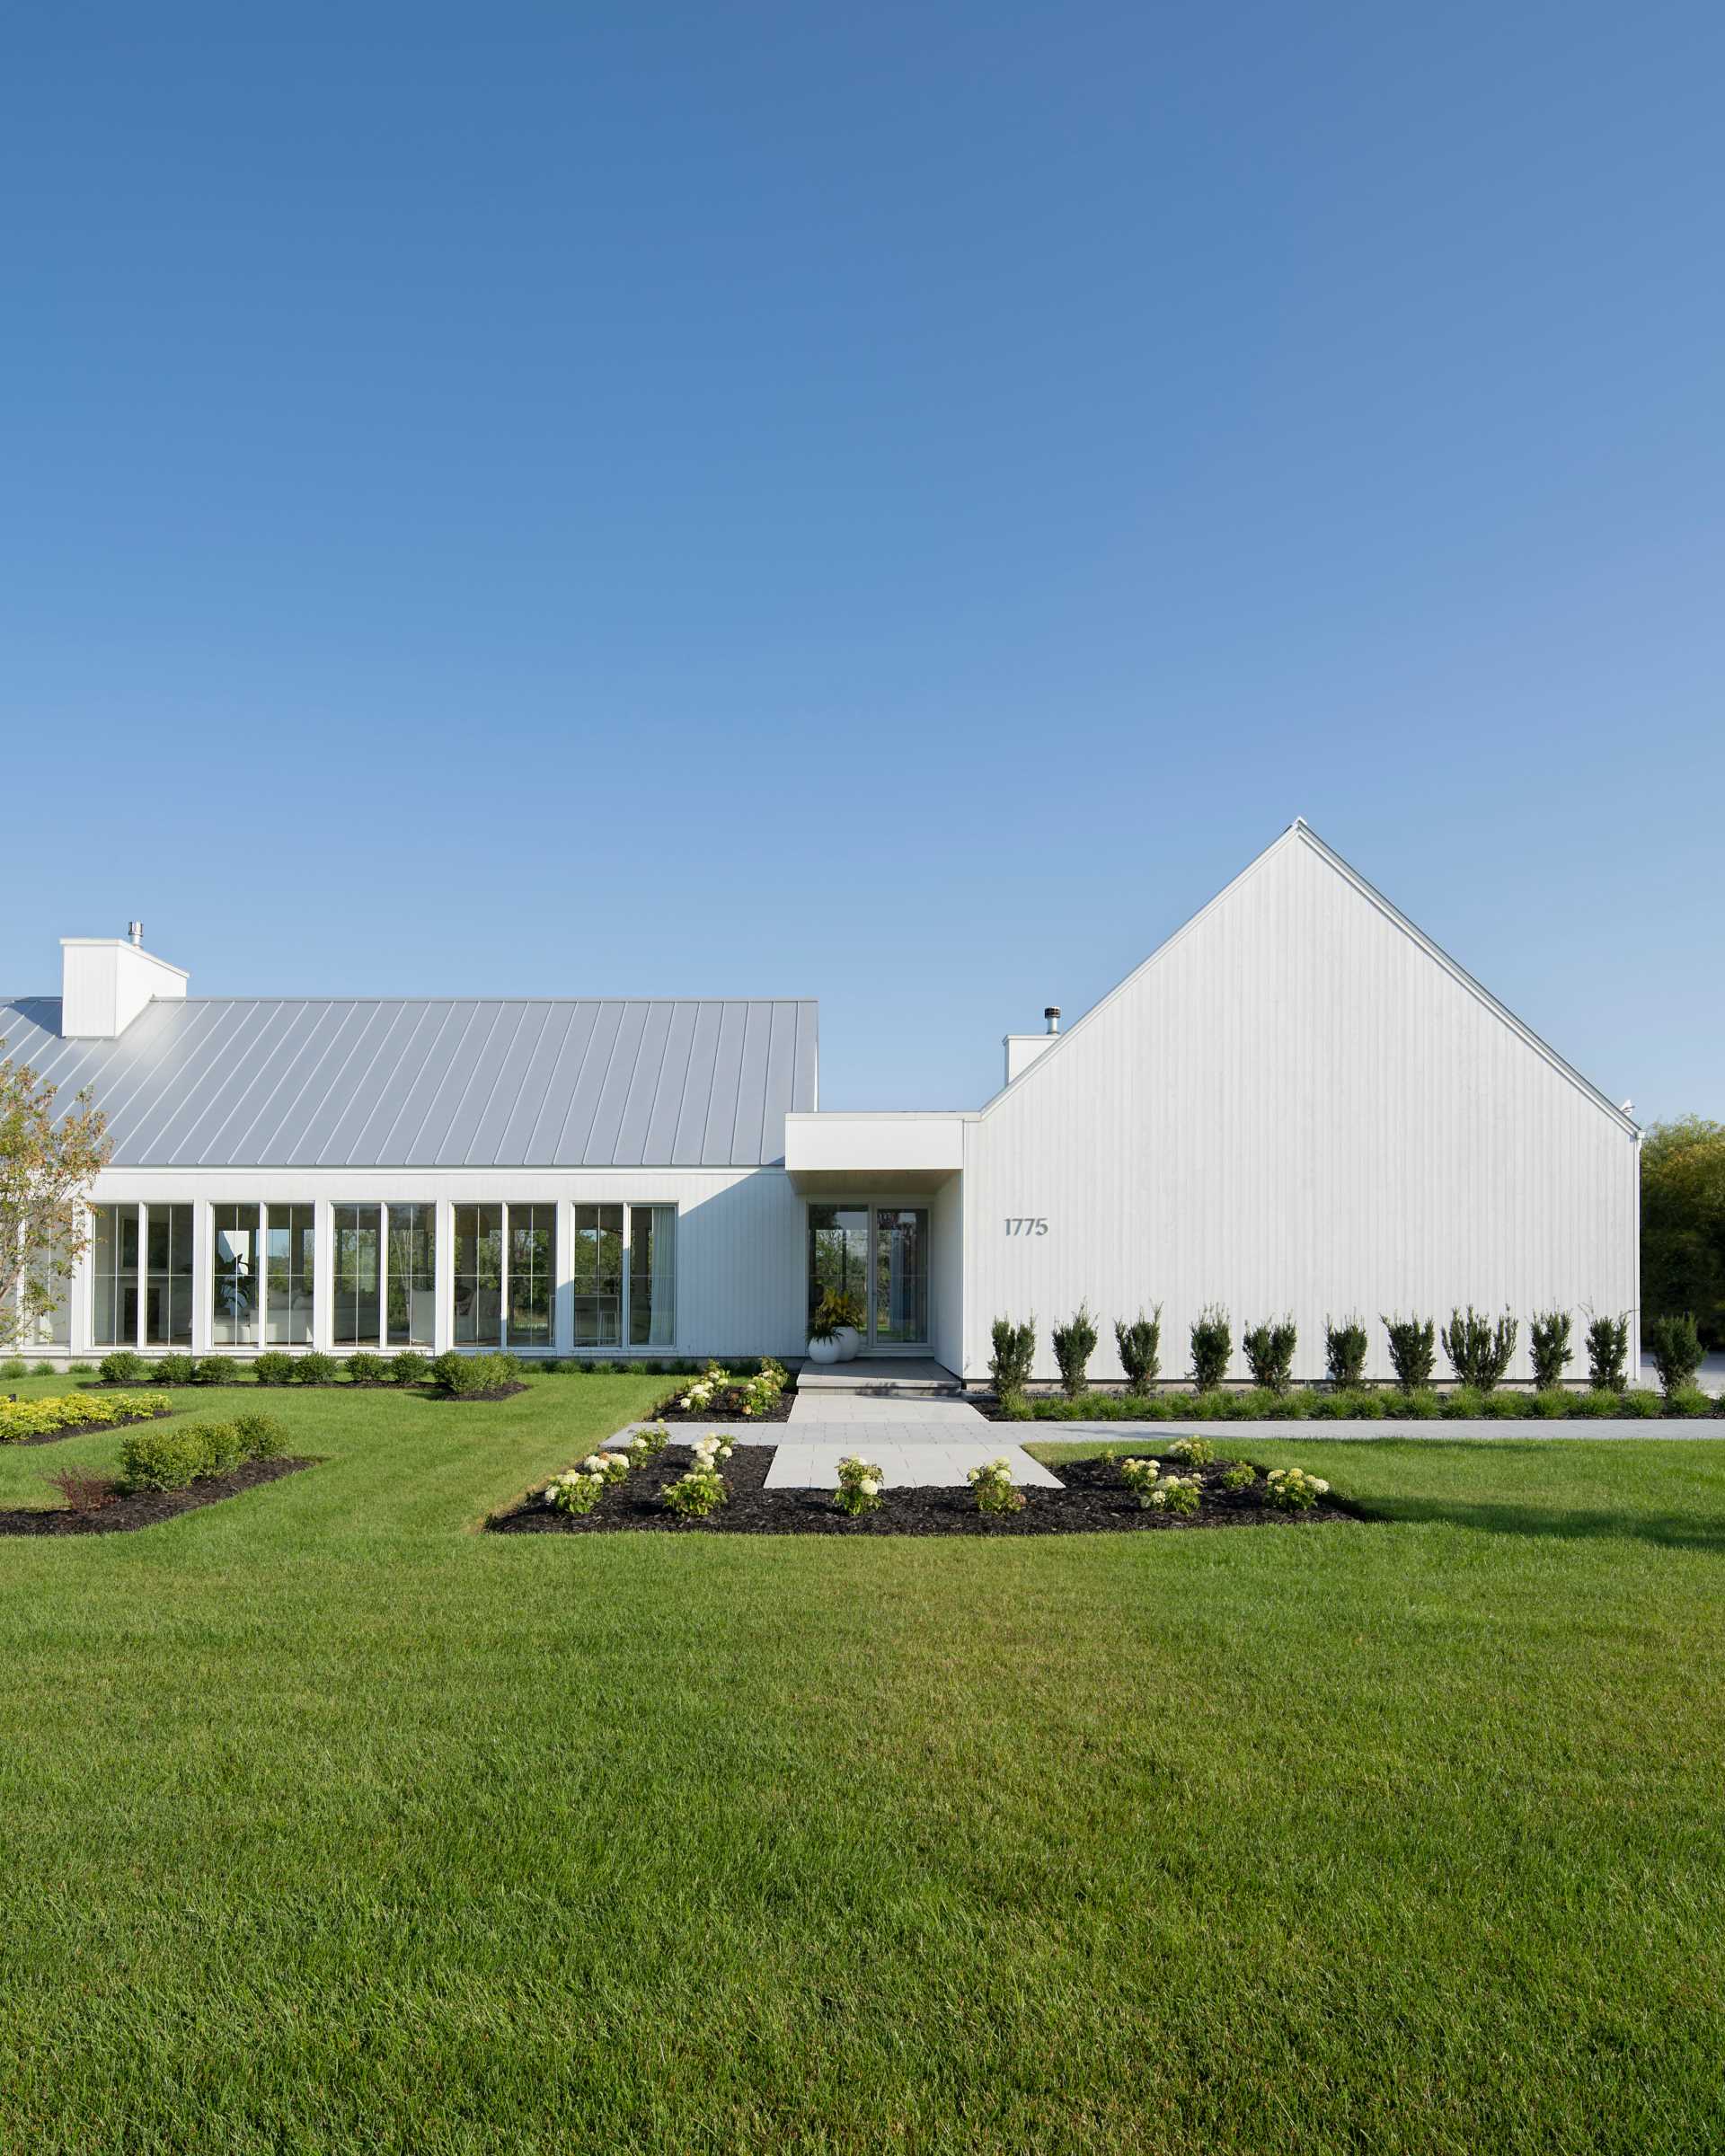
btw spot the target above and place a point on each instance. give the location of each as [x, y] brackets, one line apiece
[48, 1162]
[1479, 1350]
[1212, 1347]
[1345, 1347]
[1608, 1354]
[1675, 1344]
[1014, 1353]
[1413, 1350]
[1074, 1345]
[1139, 1348]
[1270, 1353]
[1548, 1336]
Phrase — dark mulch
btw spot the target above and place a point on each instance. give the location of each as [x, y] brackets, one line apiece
[458, 1400]
[80, 1429]
[1094, 1500]
[149, 1507]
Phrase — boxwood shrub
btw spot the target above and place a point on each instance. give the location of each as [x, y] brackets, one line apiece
[124, 1366]
[175, 1370]
[409, 1368]
[369, 1369]
[171, 1459]
[460, 1377]
[274, 1368]
[315, 1369]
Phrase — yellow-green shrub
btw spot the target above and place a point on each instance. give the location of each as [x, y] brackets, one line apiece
[68, 1411]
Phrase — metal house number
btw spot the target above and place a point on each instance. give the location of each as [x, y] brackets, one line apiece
[1018, 1225]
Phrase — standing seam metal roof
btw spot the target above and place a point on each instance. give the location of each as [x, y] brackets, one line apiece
[369, 1081]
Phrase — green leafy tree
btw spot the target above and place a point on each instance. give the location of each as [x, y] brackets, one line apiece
[48, 1159]
[1683, 1224]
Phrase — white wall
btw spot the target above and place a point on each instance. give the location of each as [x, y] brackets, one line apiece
[740, 1237]
[1296, 1107]
[947, 1276]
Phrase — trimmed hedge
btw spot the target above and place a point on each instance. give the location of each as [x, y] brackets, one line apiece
[163, 1460]
[460, 1377]
[1365, 1403]
[22, 1419]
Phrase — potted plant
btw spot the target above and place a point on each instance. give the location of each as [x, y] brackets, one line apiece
[823, 1337]
[846, 1313]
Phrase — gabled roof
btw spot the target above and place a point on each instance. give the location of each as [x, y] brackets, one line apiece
[375, 1083]
[1300, 833]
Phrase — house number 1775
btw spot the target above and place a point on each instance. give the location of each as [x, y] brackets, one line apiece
[1018, 1225]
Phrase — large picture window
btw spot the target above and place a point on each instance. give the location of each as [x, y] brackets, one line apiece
[168, 1284]
[413, 1275]
[114, 1269]
[532, 1274]
[478, 1276]
[290, 1264]
[597, 1272]
[653, 1276]
[355, 1276]
[236, 1235]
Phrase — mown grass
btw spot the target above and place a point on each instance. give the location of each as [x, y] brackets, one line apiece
[330, 1824]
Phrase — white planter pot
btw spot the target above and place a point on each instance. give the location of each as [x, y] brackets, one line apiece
[849, 1341]
[823, 1351]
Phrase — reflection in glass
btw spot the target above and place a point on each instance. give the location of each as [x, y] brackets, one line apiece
[413, 1275]
[533, 1255]
[289, 1270]
[355, 1315]
[839, 1253]
[234, 1277]
[900, 1275]
[113, 1265]
[479, 1275]
[653, 1276]
[597, 1271]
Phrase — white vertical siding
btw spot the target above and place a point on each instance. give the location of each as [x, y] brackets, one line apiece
[1296, 1107]
[946, 1227]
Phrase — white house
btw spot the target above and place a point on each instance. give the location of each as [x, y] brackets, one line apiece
[1297, 1104]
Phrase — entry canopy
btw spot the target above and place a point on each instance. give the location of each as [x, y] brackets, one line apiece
[836, 1150]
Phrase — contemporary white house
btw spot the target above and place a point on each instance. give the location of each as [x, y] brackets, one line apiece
[1297, 1104]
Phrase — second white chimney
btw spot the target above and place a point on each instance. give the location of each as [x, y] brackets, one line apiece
[105, 981]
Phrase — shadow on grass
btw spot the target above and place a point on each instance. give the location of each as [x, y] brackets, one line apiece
[1672, 1534]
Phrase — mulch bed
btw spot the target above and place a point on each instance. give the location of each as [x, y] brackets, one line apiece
[149, 1507]
[669, 1413]
[79, 1429]
[1094, 1500]
[459, 1400]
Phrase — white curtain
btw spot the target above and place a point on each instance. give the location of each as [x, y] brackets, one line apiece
[663, 1230]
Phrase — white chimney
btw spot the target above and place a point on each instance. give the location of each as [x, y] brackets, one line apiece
[1023, 1049]
[105, 981]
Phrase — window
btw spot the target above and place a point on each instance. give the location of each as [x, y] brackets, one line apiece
[532, 1272]
[236, 1236]
[354, 1270]
[479, 1275]
[653, 1276]
[168, 1284]
[838, 1254]
[290, 1240]
[413, 1275]
[599, 1275]
[113, 1264]
[51, 1328]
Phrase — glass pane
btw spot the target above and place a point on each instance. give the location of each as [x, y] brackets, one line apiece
[114, 1265]
[839, 1253]
[413, 1275]
[599, 1275]
[356, 1315]
[478, 1276]
[167, 1312]
[235, 1282]
[532, 1239]
[653, 1276]
[900, 1275]
[289, 1270]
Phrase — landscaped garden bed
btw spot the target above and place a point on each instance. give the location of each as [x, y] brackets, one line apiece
[1096, 1498]
[1362, 1404]
[124, 1512]
[722, 1395]
[25, 1422]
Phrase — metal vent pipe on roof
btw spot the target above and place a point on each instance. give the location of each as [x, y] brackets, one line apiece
[135, 930]
[1053, 1016]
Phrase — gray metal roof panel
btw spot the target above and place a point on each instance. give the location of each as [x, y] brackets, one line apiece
[367, 1081]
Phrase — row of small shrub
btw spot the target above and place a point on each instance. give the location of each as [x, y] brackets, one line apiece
[1479, 1349]
[700, 1491]
[276, 1366]
[15, 1365]
[721, 1393]
[197, 1452]
[1365, 1403]
[22, 1419]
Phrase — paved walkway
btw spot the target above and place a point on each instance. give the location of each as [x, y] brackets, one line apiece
[808, 1459]
[927, 1417]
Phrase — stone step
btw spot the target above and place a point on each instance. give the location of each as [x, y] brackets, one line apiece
[880, 1381]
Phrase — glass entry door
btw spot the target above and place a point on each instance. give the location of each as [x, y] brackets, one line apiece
[898, 1308]
[879, 1256]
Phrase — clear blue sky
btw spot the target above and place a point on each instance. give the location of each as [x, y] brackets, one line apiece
[892, 503]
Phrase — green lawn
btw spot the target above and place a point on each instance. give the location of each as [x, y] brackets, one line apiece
[328, 1823]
